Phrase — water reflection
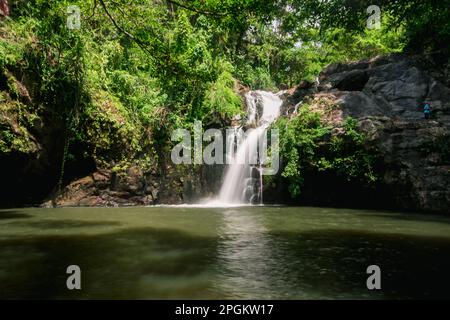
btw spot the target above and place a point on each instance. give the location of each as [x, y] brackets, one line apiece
[255, 261]
[216, 253]
[245, 258]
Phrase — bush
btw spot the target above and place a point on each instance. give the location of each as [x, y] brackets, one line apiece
[307, 145]
[221, 97]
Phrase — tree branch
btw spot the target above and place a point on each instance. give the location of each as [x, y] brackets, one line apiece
[93, 9]
[142, 45]
[181, 5]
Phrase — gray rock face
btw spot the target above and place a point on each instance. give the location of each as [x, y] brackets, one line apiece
[385, 95]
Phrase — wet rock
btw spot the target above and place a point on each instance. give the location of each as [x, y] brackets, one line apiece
[134, 187]
[353, 80]
[384, 94]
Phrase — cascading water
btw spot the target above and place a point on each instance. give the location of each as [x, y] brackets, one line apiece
[243, 178]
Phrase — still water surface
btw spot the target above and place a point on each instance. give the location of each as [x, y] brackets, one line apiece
[215, 253]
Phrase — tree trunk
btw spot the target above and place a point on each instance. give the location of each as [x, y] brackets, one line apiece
[171, 10]
[4, 8]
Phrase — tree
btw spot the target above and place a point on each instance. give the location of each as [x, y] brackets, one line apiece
[4, 8]
[425, 21]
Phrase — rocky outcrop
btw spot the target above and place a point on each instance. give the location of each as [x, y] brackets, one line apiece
[135, 187]
[385, 95]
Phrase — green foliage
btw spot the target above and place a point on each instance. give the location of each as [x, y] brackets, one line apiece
[292, 47]
[426, 23]
[14, 123]
[423, 23]
[351, 158]
[344, 46]
[10, 53]
[165, 62]
[106, 125]
[306, 145]
[299, 142]
[221, 97]
[139, 93]
[255, 78]
[137, 69]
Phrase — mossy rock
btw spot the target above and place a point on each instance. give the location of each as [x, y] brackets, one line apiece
[15, 121]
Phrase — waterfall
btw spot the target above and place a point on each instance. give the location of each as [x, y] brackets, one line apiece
[243, 177]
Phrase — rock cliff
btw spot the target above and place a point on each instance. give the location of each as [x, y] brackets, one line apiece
[385, 95]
